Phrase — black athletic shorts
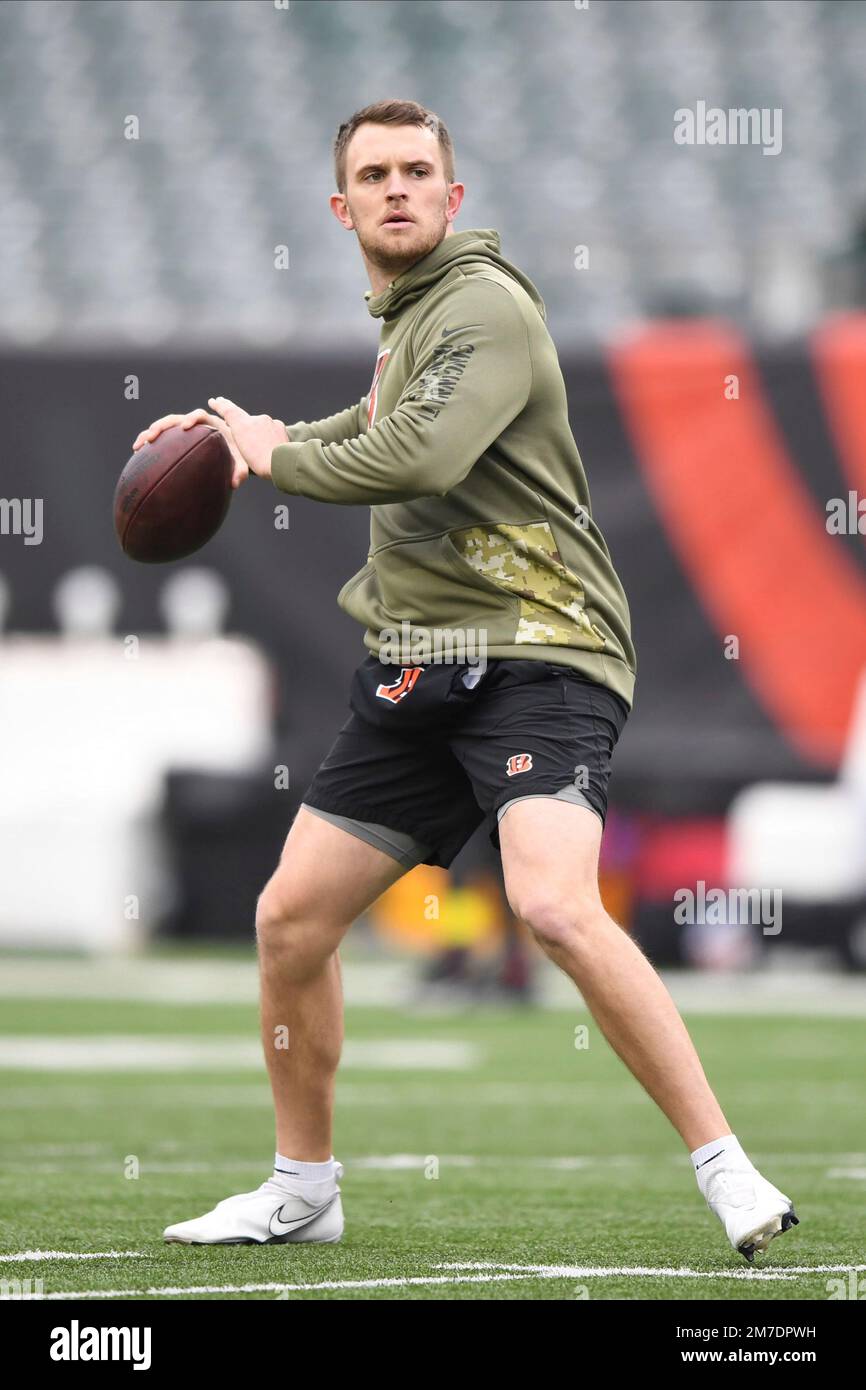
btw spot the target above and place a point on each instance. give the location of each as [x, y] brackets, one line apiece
[428, 752]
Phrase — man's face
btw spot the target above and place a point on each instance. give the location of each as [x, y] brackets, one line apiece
[396, 172]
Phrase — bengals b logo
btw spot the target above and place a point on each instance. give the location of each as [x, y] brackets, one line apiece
[518, 762]
[401, 687]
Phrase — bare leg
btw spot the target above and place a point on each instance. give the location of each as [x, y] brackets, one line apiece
[325, 879]
[550, 861]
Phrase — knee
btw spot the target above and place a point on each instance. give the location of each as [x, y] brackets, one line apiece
[282, 943]
[277, 917]
[558, 921]
[290, 935]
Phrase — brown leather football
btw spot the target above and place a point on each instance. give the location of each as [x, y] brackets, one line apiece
[173, 494]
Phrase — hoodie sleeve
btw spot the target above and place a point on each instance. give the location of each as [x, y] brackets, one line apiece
[471, 376]
[333, 430]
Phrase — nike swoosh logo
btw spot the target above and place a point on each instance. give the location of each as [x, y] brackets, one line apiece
[449, 332]
[708, 1160]
[278, 1227]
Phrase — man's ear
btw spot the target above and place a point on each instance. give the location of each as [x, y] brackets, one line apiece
[340, 209]
[455, 198]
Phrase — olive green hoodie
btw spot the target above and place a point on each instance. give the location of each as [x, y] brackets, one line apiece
[481, 521]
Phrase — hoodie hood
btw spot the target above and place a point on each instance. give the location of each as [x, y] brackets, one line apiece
[462, 249]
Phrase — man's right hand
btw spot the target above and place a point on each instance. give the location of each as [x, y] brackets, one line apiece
[197, 417]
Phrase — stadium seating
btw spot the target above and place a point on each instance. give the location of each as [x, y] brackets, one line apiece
[563, 125]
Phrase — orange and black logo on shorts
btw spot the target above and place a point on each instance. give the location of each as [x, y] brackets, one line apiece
[518, 762]
[400, 688]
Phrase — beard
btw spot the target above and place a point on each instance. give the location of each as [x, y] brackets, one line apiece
[390, 256]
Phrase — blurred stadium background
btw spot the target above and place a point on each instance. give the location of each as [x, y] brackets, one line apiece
[158, 727]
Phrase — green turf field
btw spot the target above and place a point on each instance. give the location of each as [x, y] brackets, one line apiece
[557, 1176]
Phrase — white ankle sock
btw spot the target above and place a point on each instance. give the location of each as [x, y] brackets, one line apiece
[721, 1153]
[293, 1170]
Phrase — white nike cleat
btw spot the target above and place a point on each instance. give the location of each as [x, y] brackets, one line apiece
[751, 1209]
[272, 1215]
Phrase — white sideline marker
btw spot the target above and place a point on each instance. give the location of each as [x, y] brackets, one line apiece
[126, 1052]
[493, 1273]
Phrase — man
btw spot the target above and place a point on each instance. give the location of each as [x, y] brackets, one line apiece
[482, 539]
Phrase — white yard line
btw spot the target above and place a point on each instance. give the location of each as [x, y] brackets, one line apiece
[26, 1156]
[489, 1273]
[405, 1162]
[162, 982]
[149, 1052]
[779, 991]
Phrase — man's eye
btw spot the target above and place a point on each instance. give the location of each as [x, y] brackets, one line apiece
[374, 173]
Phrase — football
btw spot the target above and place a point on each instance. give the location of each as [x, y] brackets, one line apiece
[173, 494]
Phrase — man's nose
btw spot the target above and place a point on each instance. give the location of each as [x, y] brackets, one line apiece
[396, 187]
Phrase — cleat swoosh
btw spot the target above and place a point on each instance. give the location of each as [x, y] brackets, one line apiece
[278, 1227]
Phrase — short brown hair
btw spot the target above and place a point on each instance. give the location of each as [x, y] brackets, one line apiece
[392, 113]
